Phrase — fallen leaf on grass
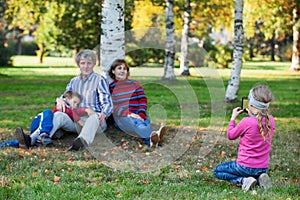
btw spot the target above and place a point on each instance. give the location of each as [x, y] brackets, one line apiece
[144, 182]
[254, 192]
[176, 166]
[295, 180]
[118, 194]
[139, 147]
[4, 182]
[222, 154]
[70, 169]
[204, 168]
[197, 137]
[69, 162]
[56, 179]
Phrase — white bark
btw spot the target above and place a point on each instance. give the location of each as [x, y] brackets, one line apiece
[184, 54]
[296, 41]
[170, 42]
[113, 33]
[234, 81]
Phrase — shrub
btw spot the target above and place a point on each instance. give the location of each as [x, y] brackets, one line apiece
[5, 56]
[287, 52]
[138, 56]
[28, 48]
[221, 55]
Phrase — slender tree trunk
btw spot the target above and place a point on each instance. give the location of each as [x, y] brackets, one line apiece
[184, 54]
[19, 45]
[296, 40]
[75, 51]
[170, 42]
[113, 36]
[234, 81]
[251, 46]
[272, 43]
[41, 53]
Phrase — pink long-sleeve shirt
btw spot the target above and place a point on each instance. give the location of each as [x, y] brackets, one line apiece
[253, 151]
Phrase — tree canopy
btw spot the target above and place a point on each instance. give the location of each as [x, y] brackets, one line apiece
[73, 25]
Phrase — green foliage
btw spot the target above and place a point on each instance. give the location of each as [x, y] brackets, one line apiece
[220, 54]
[64, 25]
[143, 55]
[28, 48]
[287, 52]
[197, 55]
[46, 36]
[5, 56]
[80, 24]
[5, 52]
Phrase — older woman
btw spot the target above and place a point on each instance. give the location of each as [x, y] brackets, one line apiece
[130, 106]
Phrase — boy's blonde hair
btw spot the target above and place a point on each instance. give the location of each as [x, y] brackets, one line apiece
[70, 94]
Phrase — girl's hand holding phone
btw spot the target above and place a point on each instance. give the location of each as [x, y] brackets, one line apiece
[236, 112]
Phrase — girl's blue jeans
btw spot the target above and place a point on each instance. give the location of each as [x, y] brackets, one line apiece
[234, 172]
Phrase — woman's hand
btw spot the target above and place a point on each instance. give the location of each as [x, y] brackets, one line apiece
[89, 111]
[101, 117]
[60, 105]
[135, 116]
[80, 122]
[236, 112]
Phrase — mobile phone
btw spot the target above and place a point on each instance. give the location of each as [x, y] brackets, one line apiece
[245, 104]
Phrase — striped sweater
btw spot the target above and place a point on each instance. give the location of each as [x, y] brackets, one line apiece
[128, 97]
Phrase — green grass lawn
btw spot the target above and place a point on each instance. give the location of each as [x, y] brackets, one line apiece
[196, 118]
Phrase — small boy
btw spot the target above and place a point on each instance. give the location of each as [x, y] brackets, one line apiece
[42, 125]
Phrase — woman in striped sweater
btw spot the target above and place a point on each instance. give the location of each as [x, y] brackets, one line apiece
[130, 106]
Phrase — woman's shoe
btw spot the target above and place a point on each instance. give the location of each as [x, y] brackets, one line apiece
[154, 139]
[161, 133]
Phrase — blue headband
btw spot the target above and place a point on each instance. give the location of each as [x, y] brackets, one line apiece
[257, 104]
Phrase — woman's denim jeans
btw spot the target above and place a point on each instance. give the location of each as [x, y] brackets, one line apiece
[234, 172]
[135, 127]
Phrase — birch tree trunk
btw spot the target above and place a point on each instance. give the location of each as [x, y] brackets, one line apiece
[234, 81]
[184, 54]
[113, 36]
[170, 42]
[296, 40]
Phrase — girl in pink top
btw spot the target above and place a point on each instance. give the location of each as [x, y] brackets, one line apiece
[255, 132]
